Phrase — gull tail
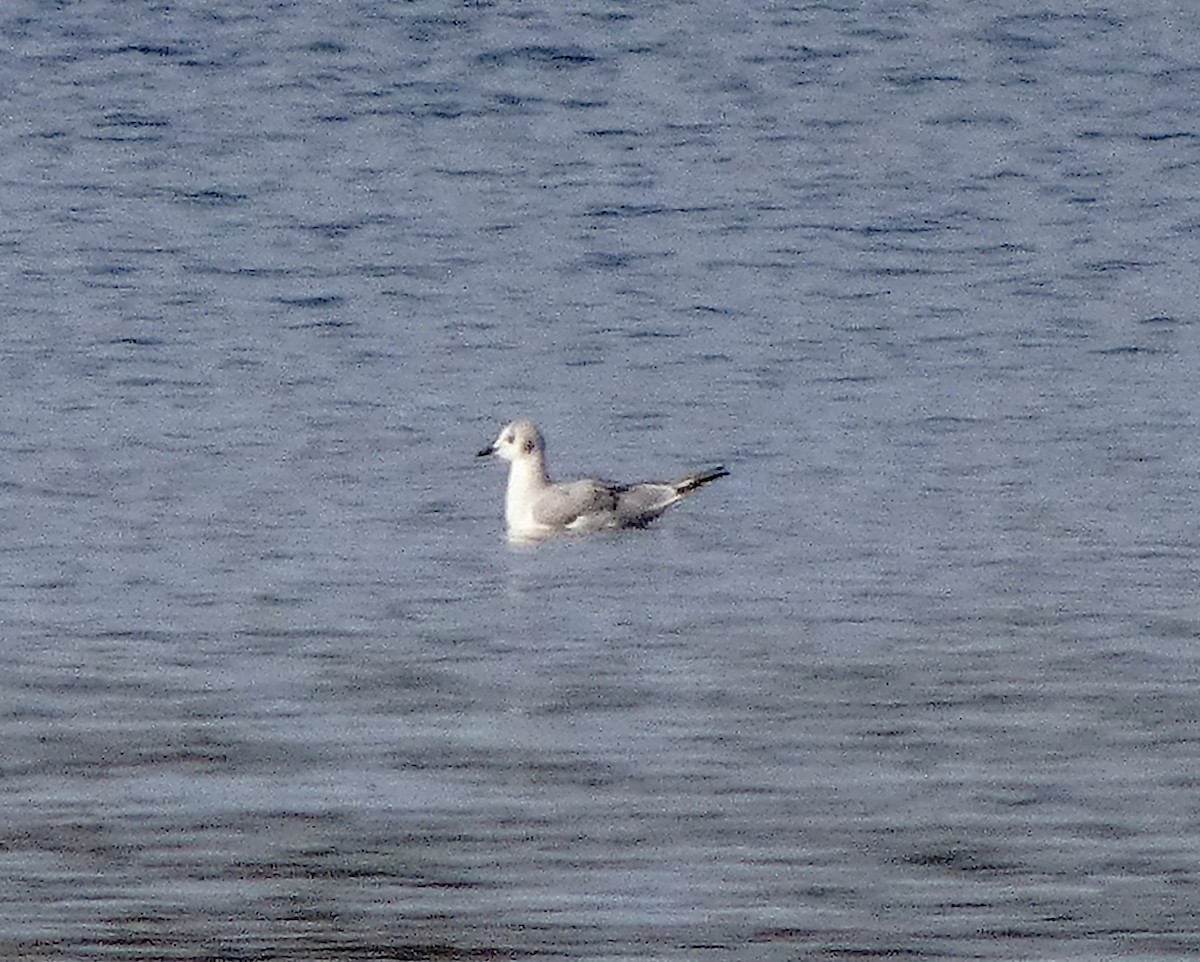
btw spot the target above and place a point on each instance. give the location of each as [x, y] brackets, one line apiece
[698, 480]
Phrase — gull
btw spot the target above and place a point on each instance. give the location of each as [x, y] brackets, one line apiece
[536, 507]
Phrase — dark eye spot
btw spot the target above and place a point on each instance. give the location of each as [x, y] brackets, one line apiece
[509, 439]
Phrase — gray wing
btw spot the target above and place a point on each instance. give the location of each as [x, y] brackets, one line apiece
[561, 504]
[640, 504]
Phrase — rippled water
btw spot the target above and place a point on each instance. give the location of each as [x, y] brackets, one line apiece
[919, 679]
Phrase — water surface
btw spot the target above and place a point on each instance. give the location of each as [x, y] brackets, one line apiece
[919, 679]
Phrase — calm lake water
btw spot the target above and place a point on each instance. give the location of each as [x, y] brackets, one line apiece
[920, 679]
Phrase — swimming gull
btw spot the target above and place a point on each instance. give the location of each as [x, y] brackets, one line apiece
[536, 507]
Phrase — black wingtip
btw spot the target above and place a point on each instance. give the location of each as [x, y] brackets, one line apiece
[701, 479]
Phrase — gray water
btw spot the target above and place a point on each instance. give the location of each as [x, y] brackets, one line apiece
[918, 680]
